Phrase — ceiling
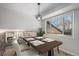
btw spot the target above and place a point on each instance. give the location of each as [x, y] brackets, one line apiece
[22, 15]
[30, 9]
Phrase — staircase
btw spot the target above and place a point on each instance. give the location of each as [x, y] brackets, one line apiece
[54, 29]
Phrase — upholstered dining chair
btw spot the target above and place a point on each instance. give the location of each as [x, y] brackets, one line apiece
[16, 47]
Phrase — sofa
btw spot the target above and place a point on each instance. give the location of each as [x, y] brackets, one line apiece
[6, 39]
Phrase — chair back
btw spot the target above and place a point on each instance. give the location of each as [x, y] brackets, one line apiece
[16, 47]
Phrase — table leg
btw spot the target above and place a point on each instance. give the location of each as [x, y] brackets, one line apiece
[51, 52]
[28, 44]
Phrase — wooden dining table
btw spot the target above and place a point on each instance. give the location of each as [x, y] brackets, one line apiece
[46, 47]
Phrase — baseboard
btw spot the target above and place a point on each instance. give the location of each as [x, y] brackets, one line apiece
[68, 52]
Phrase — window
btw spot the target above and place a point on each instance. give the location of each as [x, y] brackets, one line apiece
[61, 24]
[67, 24]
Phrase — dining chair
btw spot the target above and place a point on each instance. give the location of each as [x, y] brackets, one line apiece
[16, 46]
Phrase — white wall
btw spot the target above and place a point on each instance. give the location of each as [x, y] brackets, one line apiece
[11, 19]
[70, 44]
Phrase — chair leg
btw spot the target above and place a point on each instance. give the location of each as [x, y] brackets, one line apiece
[52, 52]
[58, 49]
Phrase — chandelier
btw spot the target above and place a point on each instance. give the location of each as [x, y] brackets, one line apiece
[38, 16]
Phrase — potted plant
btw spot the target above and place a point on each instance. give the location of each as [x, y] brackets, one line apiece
[40, 32]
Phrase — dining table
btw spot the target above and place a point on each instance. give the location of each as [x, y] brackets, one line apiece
[43, 45]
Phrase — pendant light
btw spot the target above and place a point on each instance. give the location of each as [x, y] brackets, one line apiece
[38, 17]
